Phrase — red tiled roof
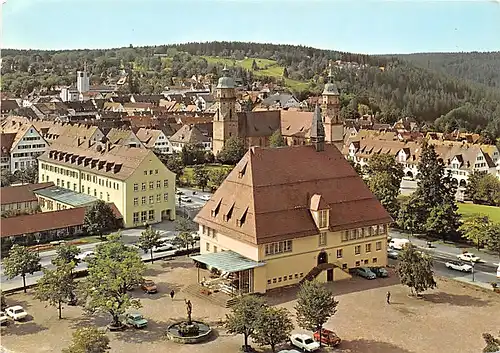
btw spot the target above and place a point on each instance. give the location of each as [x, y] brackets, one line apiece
[271, 189]
[21, 193]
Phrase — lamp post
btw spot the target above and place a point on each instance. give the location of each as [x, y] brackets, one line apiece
[472, 264]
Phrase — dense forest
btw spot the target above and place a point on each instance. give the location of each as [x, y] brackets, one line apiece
[429, 88]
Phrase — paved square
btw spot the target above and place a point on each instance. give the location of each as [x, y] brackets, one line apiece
[450, 319]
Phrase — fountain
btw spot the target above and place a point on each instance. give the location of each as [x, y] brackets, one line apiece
[188, 332]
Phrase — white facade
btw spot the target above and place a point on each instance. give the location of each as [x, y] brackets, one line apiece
[82, 81]
[26, 150]
[69, 94]
[163, 144]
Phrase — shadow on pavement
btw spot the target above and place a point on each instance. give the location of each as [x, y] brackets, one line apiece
[455, 299]
[19, 328]
[153, 332]
[368, 346]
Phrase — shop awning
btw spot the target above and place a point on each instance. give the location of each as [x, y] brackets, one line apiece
[227, 261]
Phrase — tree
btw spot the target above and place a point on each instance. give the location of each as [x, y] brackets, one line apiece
[483, 188]
[65, 254]
[254, 65]
[384, 180]
[407, 215]
[7, 178]
[285, 72]
[21, 262]
[217, 176]
[474, 228]
[149, 239]
[315, 305]
[276, 139]
[443, 220]
[113, 271]
[232, 152]
[200, 175]
[192, 154]
[174, 164]
[493, 237]
[30, 174]
[492, 343]
[357, 167]
[99, 218]
[88, 340]
[185, 227]
[415, 270]
[57, 285]
[244, 316]
[273, 327]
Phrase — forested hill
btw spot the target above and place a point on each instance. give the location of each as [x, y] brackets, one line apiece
[479, 67]
[389, 87]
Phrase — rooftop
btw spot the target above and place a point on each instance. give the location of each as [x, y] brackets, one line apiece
[66, 196]
[227, 261]
[21, 193]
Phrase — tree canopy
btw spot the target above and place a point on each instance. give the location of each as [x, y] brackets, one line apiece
[232, 152]
[415, 270]
[88, 340]
[244, 316]
[99, 218]
[20, 262]
[148, 240]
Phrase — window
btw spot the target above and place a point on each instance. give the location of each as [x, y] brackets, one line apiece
[296, 275]
[136, 201]
[151, 199]
[215, 248]
[279, 279]
[143, 200]
[143, 187]
[374, 260]
[207, 247]
[151, 172]
[156, 171]
[151, 215]
[107, 195]
[158, 184]
[136, 217]
[284, 278]
[43, 177]
[352, 234]
[144, 216]
[322, 239]
[268, 281]
[95, 192]
[345, 235]
[145, 172]
[358, 263]
[344, 266]
[278, 247]
[88, 190]
[158, 198]
[374, 230]
[323, 218]
[100, 195]
[136, 187]
[165, 196]
[378, 245]
[357, 250]
[151, 185]
[57, 183]
[165, 183]
[301, 274]
[290, 277]
[274, 280]
[366, 262]
[339, 253]
[368, 247]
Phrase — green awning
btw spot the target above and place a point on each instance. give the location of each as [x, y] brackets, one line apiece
[227, 261]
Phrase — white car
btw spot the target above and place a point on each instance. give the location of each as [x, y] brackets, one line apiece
[16, 312]
[304, 342]
[467, 256]
[458, 266]
[164, 247]
[83, 256]
[3, 318]
[186, 199]
[205, 197]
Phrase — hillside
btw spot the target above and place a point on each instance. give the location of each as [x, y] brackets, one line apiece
[388, 87]
[478, 67]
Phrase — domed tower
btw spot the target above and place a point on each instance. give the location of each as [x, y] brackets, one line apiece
[334, 127]
[225, 121]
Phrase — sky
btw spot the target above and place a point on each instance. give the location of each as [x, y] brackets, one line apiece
[361, 26]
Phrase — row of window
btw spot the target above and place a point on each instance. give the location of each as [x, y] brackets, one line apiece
[25, 154]
[368, 248]
[291, 277]
[151, 172]
[28, 147]
[143, 216]
[278, 247]
[152, 184]
[207, 247]
[31, 138]
[208, 231]
[18, 206]
[360, 233]
[85, 176]
[24, 164]
[364, 262]
[151, 199]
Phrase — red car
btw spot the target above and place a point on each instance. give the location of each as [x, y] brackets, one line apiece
[328, 337]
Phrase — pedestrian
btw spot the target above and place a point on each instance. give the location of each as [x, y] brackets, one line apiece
[388, 297]
[172, 293]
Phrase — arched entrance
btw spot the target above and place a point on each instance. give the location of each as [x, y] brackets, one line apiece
[409, 174]
[463, 183]
[322, 258]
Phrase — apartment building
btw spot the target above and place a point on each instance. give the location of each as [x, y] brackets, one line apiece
[155, 139]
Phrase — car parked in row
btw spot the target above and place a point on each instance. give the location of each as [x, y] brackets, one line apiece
[392, 254]
[328, 337]
[16, 312]
[304, 342]
[136, 320]
[380, 272]
[458, 266]
[365, 272]
[3, 318]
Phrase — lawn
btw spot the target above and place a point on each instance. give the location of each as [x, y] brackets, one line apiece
[187, 177]
[468, 209]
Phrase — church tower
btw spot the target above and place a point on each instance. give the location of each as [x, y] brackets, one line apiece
[317, 130]
[334, 127]
[83, 80]
[225, 121]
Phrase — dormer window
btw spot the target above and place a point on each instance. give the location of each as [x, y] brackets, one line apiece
[242, 171]
[323, 218]
[229, 213]
[242, 219]
[215, 211]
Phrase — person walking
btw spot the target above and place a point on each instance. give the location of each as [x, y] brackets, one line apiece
[388, 296]
[172, 293]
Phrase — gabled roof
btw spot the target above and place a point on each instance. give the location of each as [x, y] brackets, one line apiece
[6, 141]
[21, 193]
[267, 206]
[259, 123]
[148, 136]
[189, 134]
[296, 124]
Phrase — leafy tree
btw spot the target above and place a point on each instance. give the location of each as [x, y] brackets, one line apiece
[415, 270]
[285, 72]
[356, 167]
[217, 176]
[244, 317]
[493, 237]
[99, 218]
[30, 174]
[174, 164]
[474, 228]
[483, 188]
[385, 175]
[492, 343]
[273, 327]
[254, 65]
[21, 262]
[7, 178]
[88, 340]
[232, 152]
[407, 215]
[443, 220]
[57, 285]
[315, 305]
[185, 227]
[113, 271]
[192, 154]
[276, 139]
[149, 239]
[65, 254]
[201, 177]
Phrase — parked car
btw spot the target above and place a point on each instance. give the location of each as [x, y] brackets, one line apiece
[16, 312]
[380, 272]
[304, 342]
[136, 320]
[164, 247]
[392, 254]
[467, 256]
[149, 286]
[84, 256]
[365, 273]
[328, 337]
[458, 266]
[205, 197]
[398, 244]
[179, 192]
[3, 318]
[186, 199]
